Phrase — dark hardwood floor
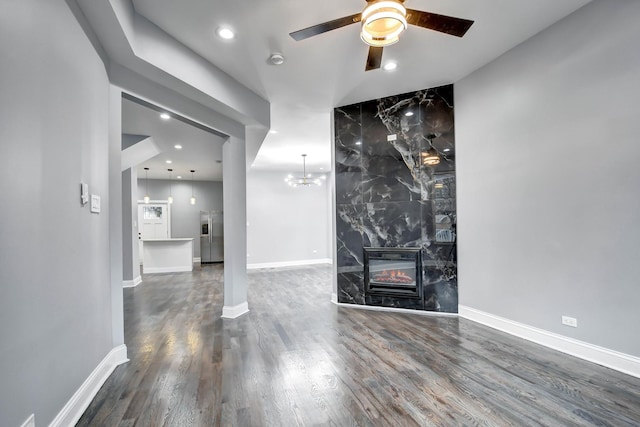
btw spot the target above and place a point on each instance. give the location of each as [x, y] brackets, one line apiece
[296, 359]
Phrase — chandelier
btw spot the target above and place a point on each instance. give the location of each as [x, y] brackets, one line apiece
[305, 180]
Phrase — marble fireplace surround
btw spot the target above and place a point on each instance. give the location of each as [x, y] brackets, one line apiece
[385, 197]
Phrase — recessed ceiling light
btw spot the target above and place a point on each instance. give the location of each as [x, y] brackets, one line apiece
[409, 113]
[273, 131]
[446, 150]
[165, 116]
[179, 177]
[178, 147]
[168, 162]
[390, 66]
[225, 33]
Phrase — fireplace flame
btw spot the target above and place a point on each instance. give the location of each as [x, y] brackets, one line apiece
[393, 276]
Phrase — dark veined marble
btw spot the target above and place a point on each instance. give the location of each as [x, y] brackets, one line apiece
[350, 239]
[351, 287]
[394, 224]
[385, 197]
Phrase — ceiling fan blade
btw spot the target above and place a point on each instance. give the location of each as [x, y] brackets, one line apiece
[324, 27]
[374, 59]
[442, 23]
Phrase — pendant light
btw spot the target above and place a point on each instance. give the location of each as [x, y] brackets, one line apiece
[305, 180]
[193, 199]
[146, 185]
[431, 157]
[170, 198]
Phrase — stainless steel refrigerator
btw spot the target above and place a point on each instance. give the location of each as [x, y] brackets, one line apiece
[211, 237]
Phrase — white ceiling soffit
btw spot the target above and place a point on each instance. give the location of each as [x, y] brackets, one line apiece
[139, 152]
[156, 67]
[134, 42]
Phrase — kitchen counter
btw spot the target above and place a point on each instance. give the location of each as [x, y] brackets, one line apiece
[167, 255]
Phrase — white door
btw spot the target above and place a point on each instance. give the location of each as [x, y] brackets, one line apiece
[153, 222]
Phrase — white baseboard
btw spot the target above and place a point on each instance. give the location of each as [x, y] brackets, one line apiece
[197, 260]
[231, 312]
[334, 298]
[75, 407]
[152, 270]
[132, 283]
[289, 263]
[602, 356]
[393, 309]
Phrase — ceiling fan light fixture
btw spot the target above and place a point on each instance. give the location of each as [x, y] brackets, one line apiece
[430, 157]
[383, 22]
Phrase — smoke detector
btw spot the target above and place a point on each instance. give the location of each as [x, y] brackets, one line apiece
[276, 59]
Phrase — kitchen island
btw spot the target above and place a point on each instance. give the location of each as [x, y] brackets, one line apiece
[167, 255]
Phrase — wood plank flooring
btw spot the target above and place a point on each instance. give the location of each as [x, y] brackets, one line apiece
[297, 360]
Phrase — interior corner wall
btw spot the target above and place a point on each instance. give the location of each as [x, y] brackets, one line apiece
[55, 309]
[130, 257]
[185, 217]
[286, 224]
[548, 206]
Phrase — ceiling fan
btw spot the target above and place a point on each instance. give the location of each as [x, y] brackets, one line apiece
[382, 22]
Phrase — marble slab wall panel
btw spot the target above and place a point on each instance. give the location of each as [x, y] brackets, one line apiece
[393, 224]
[385, 197]
[351, 287]
[350, 236]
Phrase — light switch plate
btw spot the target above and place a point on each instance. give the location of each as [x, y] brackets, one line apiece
[84, 193]
[95, 203]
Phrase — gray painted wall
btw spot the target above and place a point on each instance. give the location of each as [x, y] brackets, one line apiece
[548, 179]
[55, 309]
[185, 217]
[285, 223]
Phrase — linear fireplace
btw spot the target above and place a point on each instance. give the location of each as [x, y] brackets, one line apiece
[393, 272]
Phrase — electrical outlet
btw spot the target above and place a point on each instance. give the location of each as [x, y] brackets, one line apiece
[570, 321]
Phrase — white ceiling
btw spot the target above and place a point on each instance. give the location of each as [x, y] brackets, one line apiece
[200, 149]
[327, 70]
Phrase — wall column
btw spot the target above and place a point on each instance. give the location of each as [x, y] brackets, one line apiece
[234, 195]
[130, 257]
[114, 206]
